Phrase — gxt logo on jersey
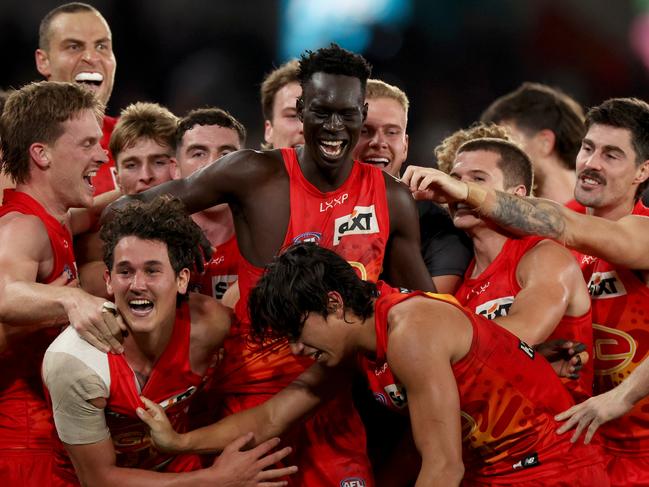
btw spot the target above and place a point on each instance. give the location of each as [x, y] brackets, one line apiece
[495, 308]
[360, 221]
[353, 482]
[328, 205]
[604, 285]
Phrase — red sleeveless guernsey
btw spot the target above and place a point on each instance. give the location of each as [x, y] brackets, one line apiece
[508, 399]
[172, 384]
[621, 327]
[220, 272]
[25, 417]
[492, 293]
[104, 181]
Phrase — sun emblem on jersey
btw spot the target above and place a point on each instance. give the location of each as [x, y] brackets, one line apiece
[614, 350]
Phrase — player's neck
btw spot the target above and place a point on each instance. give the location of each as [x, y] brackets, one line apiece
[487, 245]
[143, 349]
[324, 178]
[366, 337]
[613, 211]
[44, 194]
[216, 223]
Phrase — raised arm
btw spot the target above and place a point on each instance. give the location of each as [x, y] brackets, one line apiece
[403, 264]
[626, 239]
[551, 287]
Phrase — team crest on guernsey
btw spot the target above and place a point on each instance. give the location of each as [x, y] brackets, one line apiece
[603, 285]
[353, 482]
[361, 221]
[495, 308]
[305, 237]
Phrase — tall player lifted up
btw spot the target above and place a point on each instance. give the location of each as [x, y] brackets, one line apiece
[315, 193]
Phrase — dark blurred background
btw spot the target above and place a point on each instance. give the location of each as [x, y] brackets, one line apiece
[452, 57]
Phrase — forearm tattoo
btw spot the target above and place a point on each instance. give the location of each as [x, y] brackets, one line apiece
[529, 216]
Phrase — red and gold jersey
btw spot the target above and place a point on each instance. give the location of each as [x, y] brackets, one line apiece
[220, 272]
[492, 293]
[620, 302]
[25, 417]
[105, 180]
[508, 399]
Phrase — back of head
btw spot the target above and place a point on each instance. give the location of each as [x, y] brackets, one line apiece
[534, 107]
[626, 113]
[380, 89]
[46, 22]
[446, 151]
[297, 283]
[36, 113]
[514, 162]
[334, 60]
[275, 81]
[209, 116]
[143, 120]
[163, 219]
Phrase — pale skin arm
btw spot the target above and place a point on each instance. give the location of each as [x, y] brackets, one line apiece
[626, 239]
[24, 247]
[265, 421]
[447, 284]
[431, 342]
[551, 286]
[591, 414]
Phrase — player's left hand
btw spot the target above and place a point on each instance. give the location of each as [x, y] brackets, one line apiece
[163, 435]
[592, 413]
[566, 357]
[431, 184]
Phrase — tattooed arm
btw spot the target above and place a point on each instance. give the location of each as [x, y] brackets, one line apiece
[621, 242]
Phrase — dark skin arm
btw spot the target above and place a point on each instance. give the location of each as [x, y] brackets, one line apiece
[403, 264]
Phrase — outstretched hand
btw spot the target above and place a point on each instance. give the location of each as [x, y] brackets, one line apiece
[431, 184]
[566, 357]
[592, 413]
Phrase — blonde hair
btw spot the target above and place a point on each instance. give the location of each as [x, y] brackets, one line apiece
[380, 89]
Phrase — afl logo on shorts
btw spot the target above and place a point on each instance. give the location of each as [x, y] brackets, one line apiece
[353, 482]
[605, 285]
[308, 237]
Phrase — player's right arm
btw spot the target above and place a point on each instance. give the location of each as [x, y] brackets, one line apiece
[24, 248]
[265, 421]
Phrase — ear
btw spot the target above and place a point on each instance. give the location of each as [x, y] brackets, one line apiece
[544, 142]
[43, 63]
[38, 153]
[364, 112]
[517, 190]
[642, 172]
[107, 280]
[268, 131]
[299, 106]
[182, 281]
[335, 303]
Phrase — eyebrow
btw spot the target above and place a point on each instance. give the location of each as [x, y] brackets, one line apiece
[195, 146]
[125, 263]
[607, 147]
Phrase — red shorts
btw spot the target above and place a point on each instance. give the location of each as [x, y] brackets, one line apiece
[628, 471]
[27, 468]
[329, 448]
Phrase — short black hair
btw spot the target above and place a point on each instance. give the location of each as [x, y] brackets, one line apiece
[210, 116]
[626, 113]
[163, 219]
[334, 60]
[66, 8]
[297, 283]
[534, 107]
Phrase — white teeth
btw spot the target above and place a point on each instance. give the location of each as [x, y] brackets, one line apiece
[377, 160]
[332, 143]
[590, 181]
[96, 77]
[140, 302]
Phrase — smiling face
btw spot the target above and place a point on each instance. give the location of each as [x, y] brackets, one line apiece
[332, 115]
[285, 129]
[144, 283]
[144, 165]
[607, 173]
[74, 159]
[79, 49]
[383, 141]
[203, 144]
[324, 339]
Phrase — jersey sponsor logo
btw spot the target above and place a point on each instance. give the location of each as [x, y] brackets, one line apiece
[328, 205]
[307, 237]
[397, 395]
[604, 285]
[531, 460]
[353, 482]
[614, 350]
[495, 308]
[361, 221]
[220, 284]
[527, 349]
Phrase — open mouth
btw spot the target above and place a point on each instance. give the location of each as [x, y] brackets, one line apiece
[91, 80]
[332, 149]
[592, 181]
[87, 179]
[383, 162]
[140, 307]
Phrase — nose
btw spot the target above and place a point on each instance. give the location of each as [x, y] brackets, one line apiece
[102, 155]
[138, 281]
[377, 140]
[592, 161]
[333, 122]
[146, 174]
[90, 55]
[297, 348]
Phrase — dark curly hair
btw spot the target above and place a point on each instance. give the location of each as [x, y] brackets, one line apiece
[163, 219]
[297, 283]
[334, 60]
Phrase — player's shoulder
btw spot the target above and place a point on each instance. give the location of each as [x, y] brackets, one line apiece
[209, 318]
[23, 233]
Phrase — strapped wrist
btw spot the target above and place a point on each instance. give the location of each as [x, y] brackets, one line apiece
[476, 195]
